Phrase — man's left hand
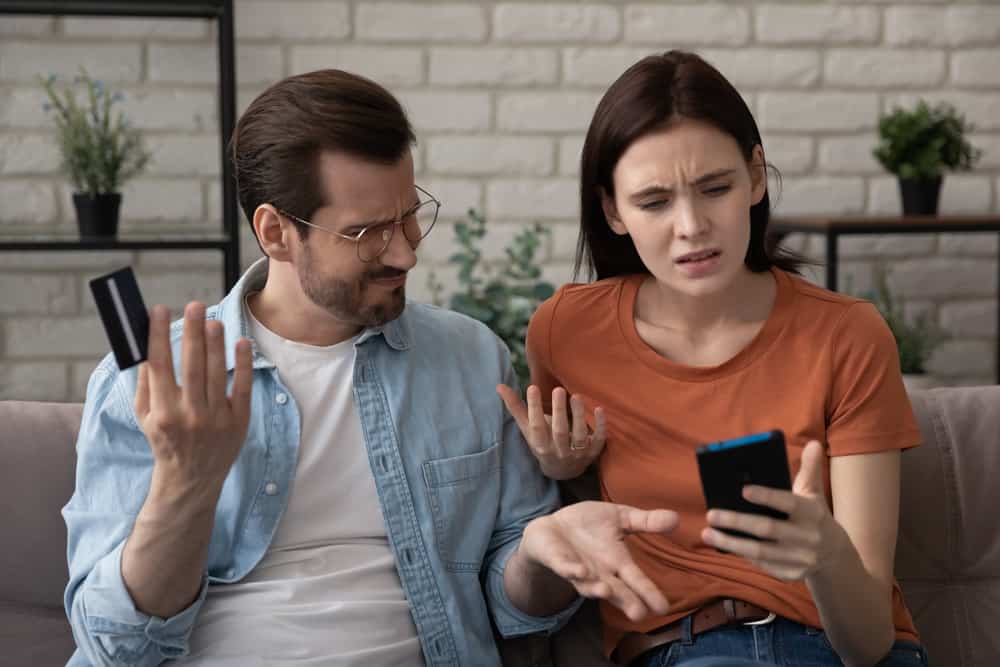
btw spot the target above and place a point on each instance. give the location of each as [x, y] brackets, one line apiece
[584, 544]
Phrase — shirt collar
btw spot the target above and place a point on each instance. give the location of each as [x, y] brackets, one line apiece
[396, 333]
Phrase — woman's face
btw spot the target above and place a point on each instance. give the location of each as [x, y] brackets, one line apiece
[684, 194]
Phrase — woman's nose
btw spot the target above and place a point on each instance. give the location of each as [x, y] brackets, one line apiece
[690, 221]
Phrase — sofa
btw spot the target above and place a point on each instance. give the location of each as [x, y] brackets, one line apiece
[947, 559]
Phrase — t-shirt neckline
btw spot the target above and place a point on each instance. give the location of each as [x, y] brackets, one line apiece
[773, 325]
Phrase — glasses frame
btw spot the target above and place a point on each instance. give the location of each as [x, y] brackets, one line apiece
[389, 226]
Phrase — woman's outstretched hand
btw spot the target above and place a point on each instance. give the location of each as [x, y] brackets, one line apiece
[563, 443]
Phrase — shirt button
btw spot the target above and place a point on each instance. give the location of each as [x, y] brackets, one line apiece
[271, 489]
[281, 399]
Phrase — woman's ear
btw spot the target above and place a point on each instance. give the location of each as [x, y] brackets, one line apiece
[611, 213]
[758, 175]
[272, 235]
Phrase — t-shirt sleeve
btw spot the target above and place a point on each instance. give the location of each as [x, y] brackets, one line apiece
[869, 409]
[539, 348]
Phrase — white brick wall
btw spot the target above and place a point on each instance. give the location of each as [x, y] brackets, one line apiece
[688, 24]
[804, 24]
[550, 22]
[503, 66]
[420, 22]
[501, 94]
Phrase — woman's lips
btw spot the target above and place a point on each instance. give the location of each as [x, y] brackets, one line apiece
[696, 268]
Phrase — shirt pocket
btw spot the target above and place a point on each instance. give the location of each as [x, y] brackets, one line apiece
[464, 493]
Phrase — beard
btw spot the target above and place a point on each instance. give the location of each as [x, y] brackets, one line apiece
[345, 299]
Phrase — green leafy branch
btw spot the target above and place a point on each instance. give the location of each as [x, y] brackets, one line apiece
[503, 296]
[99, 149]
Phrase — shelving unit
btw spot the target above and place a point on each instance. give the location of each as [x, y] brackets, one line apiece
[833, 227]
[228, 240]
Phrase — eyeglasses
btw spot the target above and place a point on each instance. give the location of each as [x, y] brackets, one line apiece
[372, 241]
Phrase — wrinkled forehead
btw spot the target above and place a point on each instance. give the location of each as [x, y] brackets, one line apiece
[359, 190]
[676, 156]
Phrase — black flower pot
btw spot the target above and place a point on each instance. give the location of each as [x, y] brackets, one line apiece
[97, 215]
[920, 195]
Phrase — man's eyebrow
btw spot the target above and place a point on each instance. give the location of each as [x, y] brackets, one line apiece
[701, 180]
[358, 226]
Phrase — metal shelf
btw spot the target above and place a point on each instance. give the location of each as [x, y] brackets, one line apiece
[222, 12]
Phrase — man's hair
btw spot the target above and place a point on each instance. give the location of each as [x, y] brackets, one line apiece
[277, 142]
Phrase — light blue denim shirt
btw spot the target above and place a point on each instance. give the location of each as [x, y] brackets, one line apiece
[455, 479]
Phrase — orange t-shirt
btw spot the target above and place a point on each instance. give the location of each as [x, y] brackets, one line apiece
[824, 366]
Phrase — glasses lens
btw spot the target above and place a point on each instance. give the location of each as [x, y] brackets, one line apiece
[374, 241]
[418, 224]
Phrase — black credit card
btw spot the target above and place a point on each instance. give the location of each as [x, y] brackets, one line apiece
[124, 315]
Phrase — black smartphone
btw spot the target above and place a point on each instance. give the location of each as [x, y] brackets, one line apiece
[727, 466]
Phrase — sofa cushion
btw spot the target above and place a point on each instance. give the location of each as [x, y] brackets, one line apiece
[37, 448]
[33, 635]
[948, 551]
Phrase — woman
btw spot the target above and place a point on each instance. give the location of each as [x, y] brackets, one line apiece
[693, 332]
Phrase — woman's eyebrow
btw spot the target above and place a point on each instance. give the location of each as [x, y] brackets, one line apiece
[657, 189]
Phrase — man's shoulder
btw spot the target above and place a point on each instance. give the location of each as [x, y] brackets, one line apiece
[442, 326]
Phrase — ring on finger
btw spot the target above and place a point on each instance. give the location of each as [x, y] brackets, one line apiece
[578, 445]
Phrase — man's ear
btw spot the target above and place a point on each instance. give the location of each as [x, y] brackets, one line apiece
[758, 175]
[273, 232]
[611, 213]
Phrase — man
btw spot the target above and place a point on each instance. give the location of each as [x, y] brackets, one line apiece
[333, 479]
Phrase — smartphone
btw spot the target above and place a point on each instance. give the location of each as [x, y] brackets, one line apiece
[726, 467]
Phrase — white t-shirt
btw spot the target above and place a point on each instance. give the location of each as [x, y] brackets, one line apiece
[327, 591]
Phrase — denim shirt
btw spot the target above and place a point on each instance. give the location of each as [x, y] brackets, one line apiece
[455, 480]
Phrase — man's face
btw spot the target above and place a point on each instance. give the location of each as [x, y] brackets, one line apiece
[358, 194]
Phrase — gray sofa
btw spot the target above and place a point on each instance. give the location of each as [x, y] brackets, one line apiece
[948, 558]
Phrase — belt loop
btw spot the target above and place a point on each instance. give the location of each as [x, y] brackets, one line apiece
[687, 637]
[729, 606]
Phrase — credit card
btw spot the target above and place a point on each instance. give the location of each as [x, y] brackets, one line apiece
[124, 315]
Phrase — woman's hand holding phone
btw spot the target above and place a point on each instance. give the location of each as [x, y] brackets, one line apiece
[563, 443]
[790, 549]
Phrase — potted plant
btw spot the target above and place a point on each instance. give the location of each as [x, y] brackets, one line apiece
[99, 151]
[916, 339]
[918, 146]
[503, 296]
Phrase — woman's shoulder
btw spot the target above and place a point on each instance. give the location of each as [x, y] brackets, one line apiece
[576, 295]
[579, 307]
[812, 295]
[845, 317]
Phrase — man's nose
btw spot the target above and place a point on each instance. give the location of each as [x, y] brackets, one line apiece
[400, 253]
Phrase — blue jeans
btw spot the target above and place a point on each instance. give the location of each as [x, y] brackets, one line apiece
[782, 643]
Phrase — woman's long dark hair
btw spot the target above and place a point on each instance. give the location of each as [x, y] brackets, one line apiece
[650, 94]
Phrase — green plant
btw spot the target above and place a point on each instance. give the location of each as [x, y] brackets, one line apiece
[915, 339]
[99, 149]
[923, 142]
[502, 296]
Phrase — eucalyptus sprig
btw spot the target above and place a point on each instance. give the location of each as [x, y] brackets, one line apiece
[916, 339]
[504, 295]
[99, 149]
